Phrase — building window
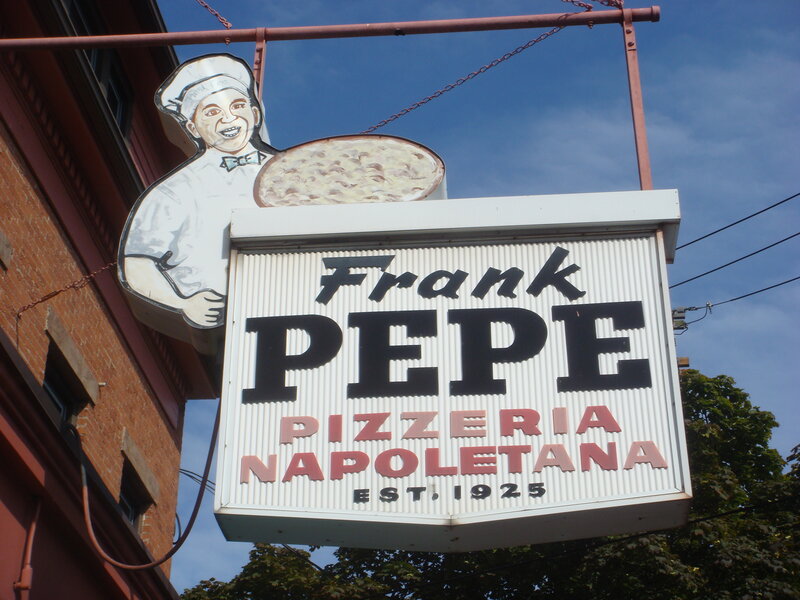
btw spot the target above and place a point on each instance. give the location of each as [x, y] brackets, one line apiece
[105, 63]
[63, 386]
[133, 497]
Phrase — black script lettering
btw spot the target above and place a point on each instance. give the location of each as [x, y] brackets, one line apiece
[341, 272]
[510, 278]
[449, 290]
[558, 279]
[388, 281]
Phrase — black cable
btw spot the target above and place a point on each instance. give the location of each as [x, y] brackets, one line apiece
[758, 291]
[705, 314]
[741, 258]
[702, 237]
[179, 527]
[87, 517]
[709, 305]
[299, 554]
[687, 323]
[197, 478]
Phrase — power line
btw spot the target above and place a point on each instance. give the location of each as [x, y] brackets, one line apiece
[197, 478]
[299, 554]
[210, 487]
[87, 516]
[757, 291]
[735, 261]
[763, 210]
[179, 528]
[686, 324]
[709, 305]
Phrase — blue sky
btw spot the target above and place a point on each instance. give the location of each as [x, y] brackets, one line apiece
[721, 90]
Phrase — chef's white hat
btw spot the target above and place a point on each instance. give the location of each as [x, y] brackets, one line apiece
[194, 80]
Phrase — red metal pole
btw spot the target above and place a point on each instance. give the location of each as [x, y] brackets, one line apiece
[258, 60]
[272, 34]
[637, 104]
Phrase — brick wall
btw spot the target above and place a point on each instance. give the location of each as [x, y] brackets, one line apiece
[41, 261]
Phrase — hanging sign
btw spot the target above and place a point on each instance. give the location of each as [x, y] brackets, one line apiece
[451, 375]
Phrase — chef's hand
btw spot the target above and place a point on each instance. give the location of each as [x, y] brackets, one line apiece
[205, 309]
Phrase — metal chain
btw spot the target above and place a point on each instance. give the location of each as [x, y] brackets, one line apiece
[75, 285]
[587, 6]
[463, 80]
[227, 24]
[580, 4]
[494, 63]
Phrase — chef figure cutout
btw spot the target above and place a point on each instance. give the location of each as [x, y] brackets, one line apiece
[173, 255]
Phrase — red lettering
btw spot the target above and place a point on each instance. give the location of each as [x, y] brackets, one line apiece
[593, 452]
[264, 473]
[478, 460]
[432, 465]
[645, 452]
[527, 423]
[409, 463]
[598, 416]
[303, 463]
[335, 428]
[560, 420]
[559, 458]
[373, 423]
[514, 456]
[295, 427]
[466, 423]
[419, 427]
[348, 462]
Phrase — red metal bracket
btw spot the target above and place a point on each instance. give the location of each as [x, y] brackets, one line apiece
[637, 104]
[258, 59]
[318, 32]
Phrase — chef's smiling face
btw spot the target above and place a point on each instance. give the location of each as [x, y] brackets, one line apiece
[225, 120]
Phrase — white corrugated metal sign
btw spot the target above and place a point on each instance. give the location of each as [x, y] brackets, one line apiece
[451, 396]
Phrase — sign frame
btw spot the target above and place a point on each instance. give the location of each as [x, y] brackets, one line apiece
[472, 221]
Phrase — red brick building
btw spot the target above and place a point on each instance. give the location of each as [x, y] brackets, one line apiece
[80, 138]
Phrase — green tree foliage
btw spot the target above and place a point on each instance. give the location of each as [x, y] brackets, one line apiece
[741, 541]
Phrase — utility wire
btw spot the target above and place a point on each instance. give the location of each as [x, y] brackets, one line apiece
[742, 220]
[87, 516]
[197, 478]
[178, 527]
[299, 554]
[709, 305]
[210, 486]
[758, 291]
[735, 261]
